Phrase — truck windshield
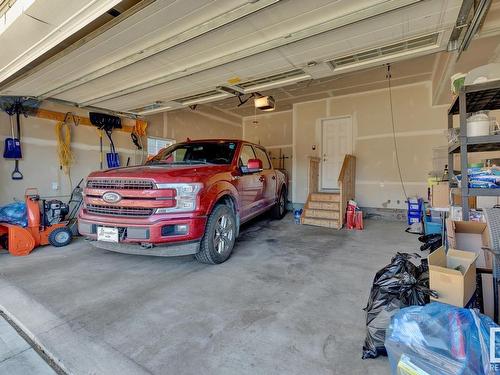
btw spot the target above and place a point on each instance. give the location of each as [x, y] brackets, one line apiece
[196, 153]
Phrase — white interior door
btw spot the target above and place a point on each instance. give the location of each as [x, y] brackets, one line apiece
[336, 141]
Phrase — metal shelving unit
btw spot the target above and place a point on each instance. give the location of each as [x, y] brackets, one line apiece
[472, 98]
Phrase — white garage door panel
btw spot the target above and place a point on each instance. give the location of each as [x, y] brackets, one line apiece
[55, 12]
[342, 42]
[81, 93]
[159, 21]
[207, 79]
[309, 13]
[239, 36]
[12, 44]
[62, 18]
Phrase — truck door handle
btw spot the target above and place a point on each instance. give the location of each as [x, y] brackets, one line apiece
[262, 178]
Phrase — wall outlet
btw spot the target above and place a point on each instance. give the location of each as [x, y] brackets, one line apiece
[55, 186]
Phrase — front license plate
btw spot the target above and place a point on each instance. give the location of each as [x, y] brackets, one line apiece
[107, 234]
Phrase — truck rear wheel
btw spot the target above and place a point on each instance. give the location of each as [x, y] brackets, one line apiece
[220, 234]
[279, 210]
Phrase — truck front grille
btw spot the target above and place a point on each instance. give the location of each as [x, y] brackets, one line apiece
[119, 211]
[120, 184]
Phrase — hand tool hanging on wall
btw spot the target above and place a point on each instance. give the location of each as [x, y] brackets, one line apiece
[100, 149]
[12, 149]
[16, 105]
[107, 123]
[16, 173]
[112, 157]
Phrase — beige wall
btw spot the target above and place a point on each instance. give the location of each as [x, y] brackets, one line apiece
[419, 128]
[198, 124]
[275, 132]
[180, 125]
[40, 165]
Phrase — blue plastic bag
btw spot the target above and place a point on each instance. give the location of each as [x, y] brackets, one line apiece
[14, 213]
[440, 339]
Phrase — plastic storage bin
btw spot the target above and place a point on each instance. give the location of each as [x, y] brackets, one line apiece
[433, 225]
[415, 210]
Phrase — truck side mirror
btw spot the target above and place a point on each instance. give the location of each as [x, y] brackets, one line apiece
[253, 166]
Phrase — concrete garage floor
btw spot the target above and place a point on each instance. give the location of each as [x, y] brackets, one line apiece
[289, 300]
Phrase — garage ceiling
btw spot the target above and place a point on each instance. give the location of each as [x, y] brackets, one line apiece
[403, 72]
[170, 49]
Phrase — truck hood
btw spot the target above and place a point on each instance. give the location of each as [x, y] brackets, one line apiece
[163, 172]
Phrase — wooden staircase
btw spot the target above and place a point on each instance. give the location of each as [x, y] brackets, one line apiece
[327, 209]
[322, 209]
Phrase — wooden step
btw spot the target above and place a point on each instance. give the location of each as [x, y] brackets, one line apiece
[334, 206]
[321, 214]
[328, 223]
[325, 197]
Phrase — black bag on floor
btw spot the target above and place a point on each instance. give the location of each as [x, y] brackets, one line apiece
[431, 242]
[399, 284]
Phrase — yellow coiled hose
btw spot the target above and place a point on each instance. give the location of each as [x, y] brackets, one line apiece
[63, 136]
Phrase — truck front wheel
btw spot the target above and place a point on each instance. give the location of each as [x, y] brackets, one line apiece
[220, 234]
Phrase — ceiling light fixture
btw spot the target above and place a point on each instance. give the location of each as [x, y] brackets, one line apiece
[265, 103]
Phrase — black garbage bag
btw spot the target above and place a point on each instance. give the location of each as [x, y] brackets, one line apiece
[431, 242]
[399, 284]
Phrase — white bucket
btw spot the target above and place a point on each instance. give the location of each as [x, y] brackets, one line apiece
[478, 125]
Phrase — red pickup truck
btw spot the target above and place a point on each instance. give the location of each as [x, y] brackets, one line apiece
[189, 199]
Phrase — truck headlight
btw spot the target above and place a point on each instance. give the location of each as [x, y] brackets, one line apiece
[186, 196]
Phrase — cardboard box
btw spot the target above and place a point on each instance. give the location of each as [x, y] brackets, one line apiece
[453, 286]
[440, 197]
[470, 236]
[473, 236]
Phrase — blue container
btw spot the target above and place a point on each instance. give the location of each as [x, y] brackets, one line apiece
[414, 217]
[296, 215]
[415, 210]
[415, 204]
[432, 226]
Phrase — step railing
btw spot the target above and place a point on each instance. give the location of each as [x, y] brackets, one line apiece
[346, 181]
[313, 181]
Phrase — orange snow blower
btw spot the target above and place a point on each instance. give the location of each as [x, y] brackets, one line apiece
[44, 227]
